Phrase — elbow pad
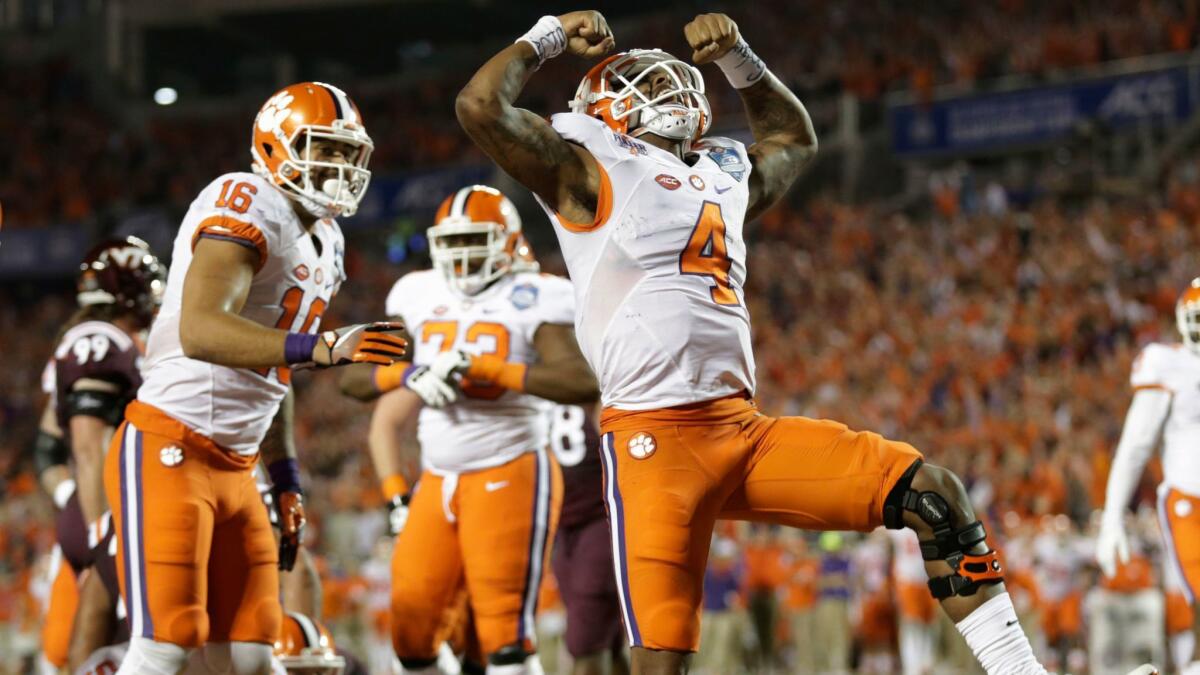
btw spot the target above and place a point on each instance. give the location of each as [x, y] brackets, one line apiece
[106, 405]
[49, 450]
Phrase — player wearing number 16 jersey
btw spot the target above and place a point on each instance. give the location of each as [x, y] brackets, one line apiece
[256, 261]
[649, 214]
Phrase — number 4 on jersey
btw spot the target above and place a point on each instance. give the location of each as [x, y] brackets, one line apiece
[706, 254]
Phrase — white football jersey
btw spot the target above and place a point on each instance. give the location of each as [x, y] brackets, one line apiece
[298, 273]
[488, 425]
[1177, 370]
[658, 277]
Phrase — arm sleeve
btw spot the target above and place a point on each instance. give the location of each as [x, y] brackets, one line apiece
[1143, 424]
[1149, 368]
[557, 303]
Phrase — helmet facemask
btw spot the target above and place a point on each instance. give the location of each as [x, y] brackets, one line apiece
[679, 113]
[470, 255]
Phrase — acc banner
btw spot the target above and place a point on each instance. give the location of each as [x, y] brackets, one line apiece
[1033, 115]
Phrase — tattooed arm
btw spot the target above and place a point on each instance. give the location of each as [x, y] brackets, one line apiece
[784, 139]
[562, 173]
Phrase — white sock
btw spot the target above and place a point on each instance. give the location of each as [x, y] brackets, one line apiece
[1182, 645]
[147, 657]
[230, 658]
[995, 637]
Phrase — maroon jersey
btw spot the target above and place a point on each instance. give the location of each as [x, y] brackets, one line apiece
[94, 350]
[575, 439]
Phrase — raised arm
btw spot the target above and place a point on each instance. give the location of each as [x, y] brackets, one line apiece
[784, 139]
[522, 143]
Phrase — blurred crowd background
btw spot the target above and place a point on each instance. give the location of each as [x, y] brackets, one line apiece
[985, 307]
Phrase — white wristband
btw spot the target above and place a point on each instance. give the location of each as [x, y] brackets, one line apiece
[546, 37]
[741, 65]
[63, 492]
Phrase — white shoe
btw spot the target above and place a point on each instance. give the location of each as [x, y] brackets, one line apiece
[1144, 669]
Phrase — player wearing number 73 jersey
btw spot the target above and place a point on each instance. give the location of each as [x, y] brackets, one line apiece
[649, 214]
[256, 261]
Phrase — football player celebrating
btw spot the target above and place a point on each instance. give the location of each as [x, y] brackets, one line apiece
[257, 259]
[649, 214]
[489, 343]
[1166, 405]
[91, 376]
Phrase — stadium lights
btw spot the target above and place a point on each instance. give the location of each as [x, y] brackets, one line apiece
[165, 96]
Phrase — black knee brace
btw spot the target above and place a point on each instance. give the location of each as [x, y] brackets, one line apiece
[970, 570]
[509, 655]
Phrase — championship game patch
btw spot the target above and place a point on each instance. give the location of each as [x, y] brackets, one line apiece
[524, 296]
[668, 181]
[728, 160]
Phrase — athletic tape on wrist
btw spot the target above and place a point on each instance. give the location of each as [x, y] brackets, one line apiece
[298, 347]
[741, 65]
[546, 37]
[285, 475]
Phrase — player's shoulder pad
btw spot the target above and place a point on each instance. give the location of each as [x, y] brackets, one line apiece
[1152, 365]
[409, 288]
[95, 349]
[728, 154]
[245, 208]
[552, 296]
[593, 134]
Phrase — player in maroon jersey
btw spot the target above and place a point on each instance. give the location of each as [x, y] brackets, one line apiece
[583, 563]
[95, 373]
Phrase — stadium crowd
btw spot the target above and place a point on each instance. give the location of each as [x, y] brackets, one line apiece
[994, 335]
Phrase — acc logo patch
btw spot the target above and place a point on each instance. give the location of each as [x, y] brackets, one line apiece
[1183, 508]
[301, 271]
[440, 310]
[172, 455]
[524, 296]
[728, 160]
[642, 445]
[696, 182]
[667, 181]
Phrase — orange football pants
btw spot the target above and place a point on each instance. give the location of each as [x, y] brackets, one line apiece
[671, 473]
[493, 533]
[196, 559]
[60, 614]
[1179, 519]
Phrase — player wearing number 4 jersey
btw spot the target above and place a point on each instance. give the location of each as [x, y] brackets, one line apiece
[649, 214]
[256, 261]
[490, 341]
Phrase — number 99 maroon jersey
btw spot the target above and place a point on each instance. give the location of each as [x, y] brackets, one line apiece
[95, 350]
[658, 274]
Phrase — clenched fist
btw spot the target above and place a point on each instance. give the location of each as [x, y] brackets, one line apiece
[588, 34]
[710, 36]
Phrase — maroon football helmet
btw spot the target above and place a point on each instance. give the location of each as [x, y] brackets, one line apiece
[125, 273]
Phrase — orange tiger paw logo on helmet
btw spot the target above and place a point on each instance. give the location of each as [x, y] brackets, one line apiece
[642, 445]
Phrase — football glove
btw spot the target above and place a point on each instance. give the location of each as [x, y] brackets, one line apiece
[1112, 547]
[450, 363]
[290, 507]
[379, 343]
[435, 391]
[397, 512]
